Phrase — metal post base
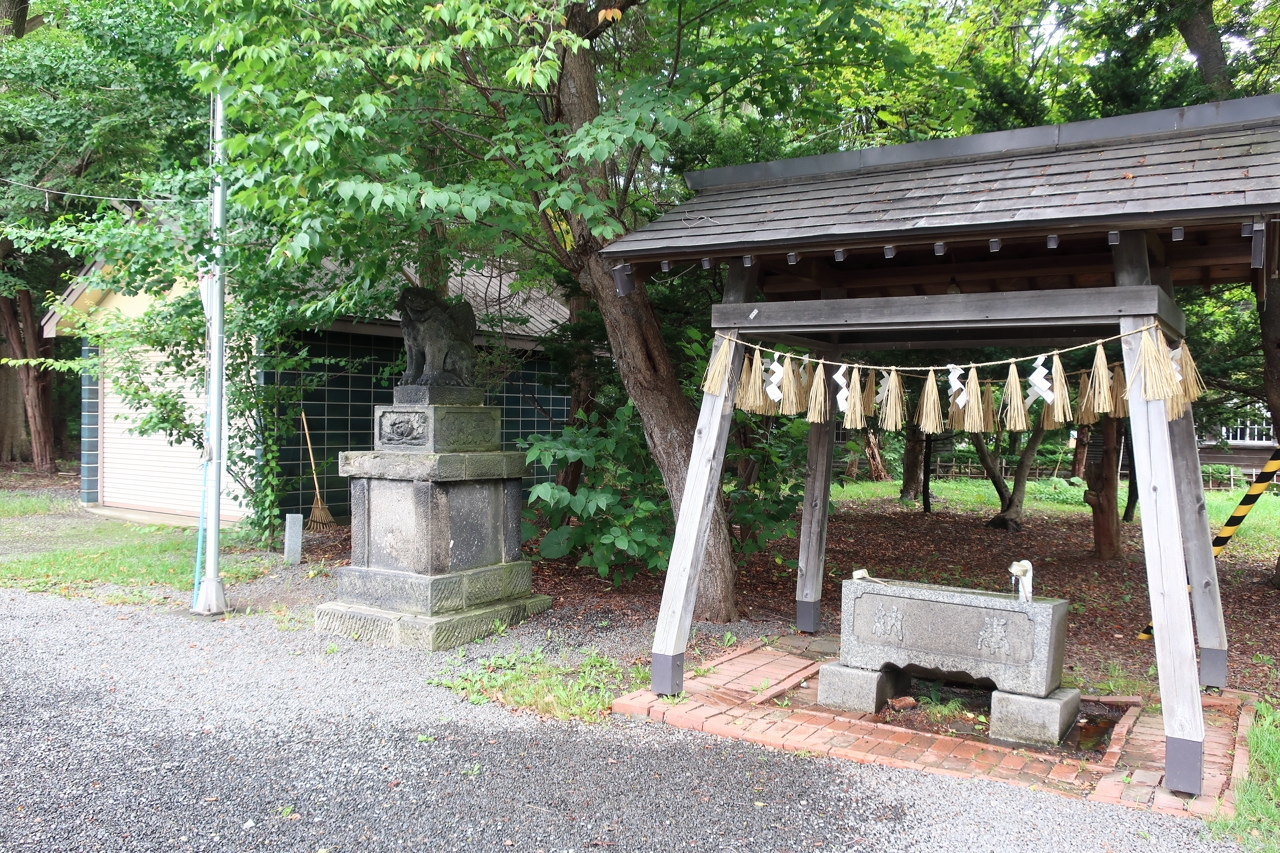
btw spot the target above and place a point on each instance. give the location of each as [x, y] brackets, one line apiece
[667, 674]
[1183, 765]
[808, 616]
[1213, 667]
[212, 601]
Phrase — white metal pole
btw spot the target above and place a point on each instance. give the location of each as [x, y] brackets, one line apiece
[211, 599]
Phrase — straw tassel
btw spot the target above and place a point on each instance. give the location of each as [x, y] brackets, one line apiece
[790, 403]
[929, 410]
[854, 415]
[974, 419]
[1119, 393]
[1085, 414]
[818, 397]
[1193, 386]
[1059, 412]
[891, 416]
[1100, 397]
[751, 388]
[955, 414]
[1015, 416]
[1155, 370]
[869, 395]
[718, 368]
[989, 408]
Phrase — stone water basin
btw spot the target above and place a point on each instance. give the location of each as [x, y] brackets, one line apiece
[892, 630]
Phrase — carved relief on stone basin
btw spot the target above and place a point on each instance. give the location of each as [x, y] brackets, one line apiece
[403, 428]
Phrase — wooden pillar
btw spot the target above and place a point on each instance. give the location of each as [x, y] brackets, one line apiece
[813, 518]
[1197, 550]
[701, 492]
[1162, 546]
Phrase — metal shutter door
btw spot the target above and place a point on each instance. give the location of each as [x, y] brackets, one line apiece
[147, 472]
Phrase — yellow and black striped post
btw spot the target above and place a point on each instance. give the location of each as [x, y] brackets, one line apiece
[1264, 478]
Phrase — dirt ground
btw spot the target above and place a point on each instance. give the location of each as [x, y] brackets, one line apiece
[1109, 598]
[18, 477]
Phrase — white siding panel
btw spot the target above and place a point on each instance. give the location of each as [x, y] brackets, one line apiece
[147, 472]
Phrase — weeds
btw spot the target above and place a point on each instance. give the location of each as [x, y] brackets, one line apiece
[941, 712]
[582, 692]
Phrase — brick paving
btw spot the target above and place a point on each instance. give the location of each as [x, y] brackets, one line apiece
[768, 695]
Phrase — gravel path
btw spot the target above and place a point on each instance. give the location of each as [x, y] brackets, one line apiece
[128, 728]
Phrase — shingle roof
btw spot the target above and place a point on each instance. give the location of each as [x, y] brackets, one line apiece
[1209, 160]
[528, 313]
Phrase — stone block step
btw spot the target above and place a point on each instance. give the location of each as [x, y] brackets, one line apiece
[433, 595]
[432, 633]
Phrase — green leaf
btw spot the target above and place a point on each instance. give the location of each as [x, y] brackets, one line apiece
[556, 544]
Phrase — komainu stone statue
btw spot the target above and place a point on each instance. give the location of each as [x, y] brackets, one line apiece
[438, 339]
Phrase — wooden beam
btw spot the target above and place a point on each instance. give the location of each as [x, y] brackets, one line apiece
[1162, 543]
[701, 496]
[966, 311]
[1181, 259]
[937, 273]
[1197, 550]
[813, 517]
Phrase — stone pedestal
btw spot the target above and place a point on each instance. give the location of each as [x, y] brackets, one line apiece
[435, 527]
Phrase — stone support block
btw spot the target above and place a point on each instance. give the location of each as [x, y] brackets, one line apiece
[433, 595]
[1040, 721]
[432, 633]
[437, 429]
[434, 527]
[436, 395]
[436, 467]
[863, 690]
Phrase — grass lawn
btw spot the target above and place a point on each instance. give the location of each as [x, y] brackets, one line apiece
[1257, 538]
[1256, 824]
[18, 504]
[135, 556]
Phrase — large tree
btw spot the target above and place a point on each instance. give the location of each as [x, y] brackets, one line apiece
[86, 104]
[528, 125]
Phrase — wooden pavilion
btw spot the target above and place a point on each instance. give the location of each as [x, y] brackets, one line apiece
[1048, 236]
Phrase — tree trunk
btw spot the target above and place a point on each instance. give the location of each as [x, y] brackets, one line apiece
[581, 404]
[912, 465]
[1082, 451]
[924, 478]
[643, 364]
[748, 468]
[1205, 43]
[876, 472]
[1011, 500]
[13, 18]
[1274, 580]
[13, 423]
[669, 422]
[22, 336]
[851, 467]
[1103, 494]
[990, 462]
